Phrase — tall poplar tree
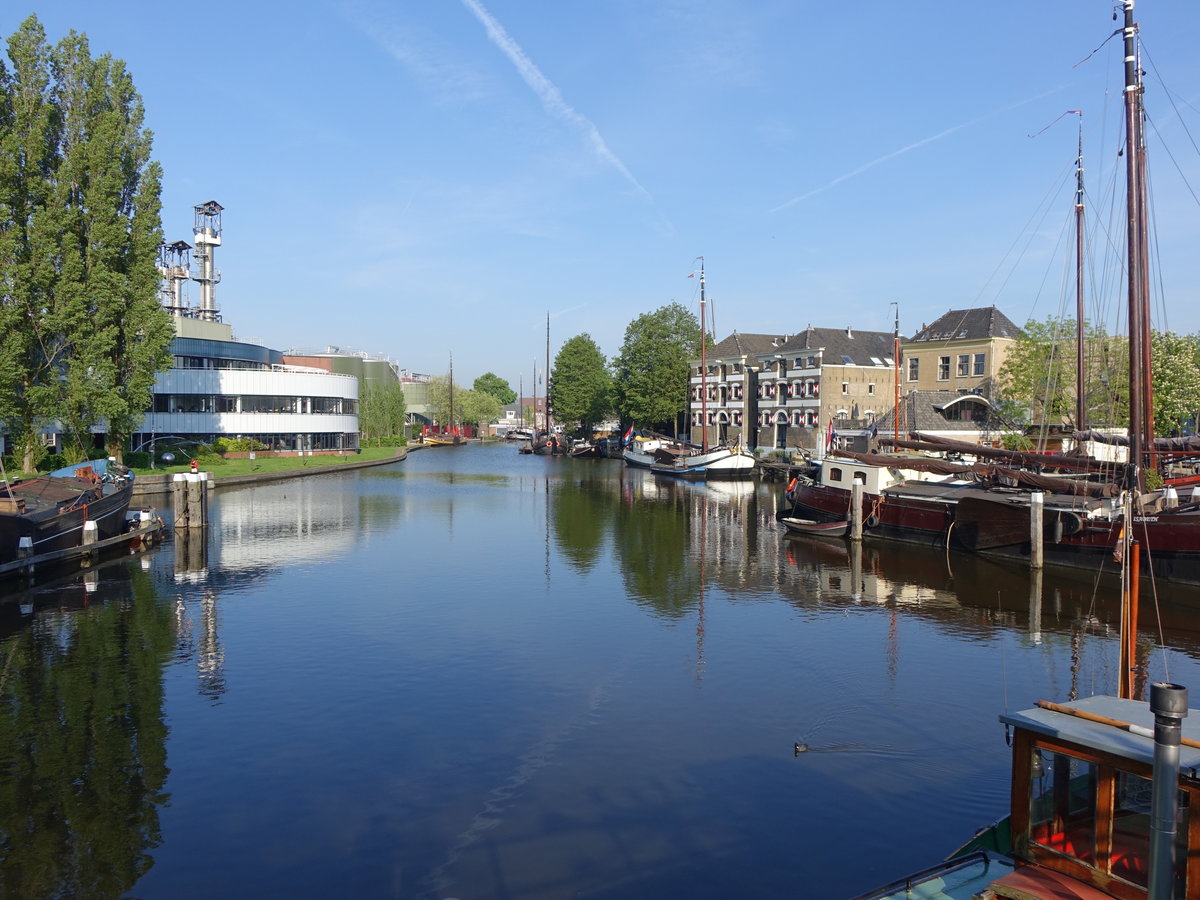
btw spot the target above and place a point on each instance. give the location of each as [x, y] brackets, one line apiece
[80, 226]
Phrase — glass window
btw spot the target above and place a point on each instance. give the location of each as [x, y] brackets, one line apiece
[870, 388]
[943, 368]
[845, 387]
[1063, 805]
[914, 368]
[979, 361]
[835, 474]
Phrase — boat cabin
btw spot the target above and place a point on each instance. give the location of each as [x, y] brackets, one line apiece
[1080, 821]
[840, 473]
[1081, 794]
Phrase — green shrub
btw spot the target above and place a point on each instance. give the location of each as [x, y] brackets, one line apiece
[50, 462]
[137, 459]
[237, 445]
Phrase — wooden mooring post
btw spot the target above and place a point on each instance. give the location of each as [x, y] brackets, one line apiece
[856, 517]
[1037, 501]
[189, 499]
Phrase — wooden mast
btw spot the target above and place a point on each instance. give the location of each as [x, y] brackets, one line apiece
[703, 368]
[452, 430]
[896, 374]
[1140, 417]
[1080, 382]
[1134, 210]
[547, 372]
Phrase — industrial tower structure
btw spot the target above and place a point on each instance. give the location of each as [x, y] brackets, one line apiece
[207, 230]
[174, 266]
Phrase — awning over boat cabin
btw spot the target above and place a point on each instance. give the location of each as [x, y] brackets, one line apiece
[1109, 738]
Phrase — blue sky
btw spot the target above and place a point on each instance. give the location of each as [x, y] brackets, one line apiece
[425, 178]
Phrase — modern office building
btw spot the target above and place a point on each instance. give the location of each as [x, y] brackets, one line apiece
[219, 386]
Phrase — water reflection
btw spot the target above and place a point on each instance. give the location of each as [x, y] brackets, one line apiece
[484, 674]
[82, 739]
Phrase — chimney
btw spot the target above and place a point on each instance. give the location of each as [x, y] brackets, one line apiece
[849, 333]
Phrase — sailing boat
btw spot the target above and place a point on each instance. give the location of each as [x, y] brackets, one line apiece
[693, 463]
[1106, 790]
[448, 435]
[1078, 531]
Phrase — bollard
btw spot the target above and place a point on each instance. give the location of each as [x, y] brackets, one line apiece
[25, 550]
[1037, 502]
[91, 533]
[179, 501]
[856, 517]
[195, 501]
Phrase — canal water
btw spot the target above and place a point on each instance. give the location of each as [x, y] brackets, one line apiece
[476, 674]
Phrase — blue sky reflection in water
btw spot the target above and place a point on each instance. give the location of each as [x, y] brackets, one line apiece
[478, 674]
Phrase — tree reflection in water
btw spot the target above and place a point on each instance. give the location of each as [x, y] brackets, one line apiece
[82, 740]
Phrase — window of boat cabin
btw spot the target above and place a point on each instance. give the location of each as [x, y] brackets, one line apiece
[835, 474]
[1068, 828]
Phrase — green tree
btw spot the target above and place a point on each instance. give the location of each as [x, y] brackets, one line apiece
[79, 236]
[381, 409]
[478, 407]
[1038, 383]
[580, 384]
[651, 371]
[441, 398]
[27, 160]
[1175, 380]
[489, 383]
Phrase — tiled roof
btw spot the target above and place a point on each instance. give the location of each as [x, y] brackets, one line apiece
[737, 345]
[844, 345]
[923, 412]
[968, 324]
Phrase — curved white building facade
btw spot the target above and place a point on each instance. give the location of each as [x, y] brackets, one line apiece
[219, 387]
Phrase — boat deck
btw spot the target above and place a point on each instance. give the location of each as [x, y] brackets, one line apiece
[956, 879]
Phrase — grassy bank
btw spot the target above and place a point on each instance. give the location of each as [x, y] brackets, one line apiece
[224, 467]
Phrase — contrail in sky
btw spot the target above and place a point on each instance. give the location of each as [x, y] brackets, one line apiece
[902, 150]
[551, 97]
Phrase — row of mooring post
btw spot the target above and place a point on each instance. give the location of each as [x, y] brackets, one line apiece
[1037, 502]
[189, 496]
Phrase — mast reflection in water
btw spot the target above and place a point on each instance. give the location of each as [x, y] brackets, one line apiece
[477, 673]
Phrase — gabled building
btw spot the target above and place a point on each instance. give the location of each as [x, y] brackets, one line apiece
[729, 410]
[782, 391]
[961, 351]
[830, 374]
